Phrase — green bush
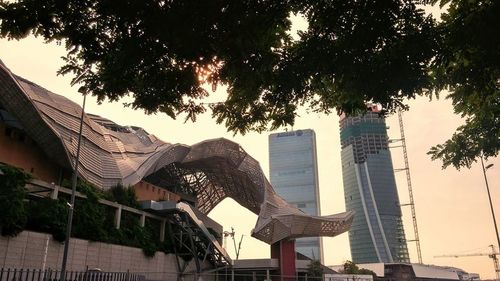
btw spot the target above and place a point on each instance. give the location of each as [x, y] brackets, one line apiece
[122, 195]
[89, 216]
[12, 194]
[167, 246]
[94, 221]
[351, 268]
[49, 216]
[91, 220]
[315, 269]
[91, 191]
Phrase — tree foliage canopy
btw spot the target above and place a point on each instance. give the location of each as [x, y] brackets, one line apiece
[315, 270]
[351, 268]
[468, 65]
[163, 53]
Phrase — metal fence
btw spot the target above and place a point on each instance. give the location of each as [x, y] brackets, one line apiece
[8, 274]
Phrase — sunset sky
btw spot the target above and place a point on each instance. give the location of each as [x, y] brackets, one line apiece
[452, 206]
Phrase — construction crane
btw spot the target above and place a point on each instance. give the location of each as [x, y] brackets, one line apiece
[408, 182]
[493, 255]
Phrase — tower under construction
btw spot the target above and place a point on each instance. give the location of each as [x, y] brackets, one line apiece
[377, 233]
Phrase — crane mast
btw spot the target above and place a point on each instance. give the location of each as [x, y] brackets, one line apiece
[410, 190]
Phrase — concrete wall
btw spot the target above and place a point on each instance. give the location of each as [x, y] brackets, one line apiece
[32, 250]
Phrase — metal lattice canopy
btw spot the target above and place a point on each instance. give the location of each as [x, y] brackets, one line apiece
[208, 171]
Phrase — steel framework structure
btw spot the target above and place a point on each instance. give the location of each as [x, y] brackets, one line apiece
[410, 189]
[206, 172]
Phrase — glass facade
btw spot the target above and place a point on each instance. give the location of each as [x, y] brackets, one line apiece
[377, 233]
[294, 176]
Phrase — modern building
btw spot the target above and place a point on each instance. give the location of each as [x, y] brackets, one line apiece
[294, 176]
[180, 184]
[413, 272]
[377, 233]
[347, 277]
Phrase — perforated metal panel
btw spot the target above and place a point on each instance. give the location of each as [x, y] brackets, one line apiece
[208, 171]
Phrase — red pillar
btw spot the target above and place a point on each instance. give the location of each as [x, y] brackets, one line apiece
[284, 251]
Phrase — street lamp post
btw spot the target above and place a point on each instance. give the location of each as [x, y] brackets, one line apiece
[73, 191]
[489, 197]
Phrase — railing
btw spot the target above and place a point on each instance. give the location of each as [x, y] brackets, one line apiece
[221, 275]
[8, 274]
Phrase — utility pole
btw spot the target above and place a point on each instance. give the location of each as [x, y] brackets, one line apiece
[73, 182]
[491, 204]
[73, 192]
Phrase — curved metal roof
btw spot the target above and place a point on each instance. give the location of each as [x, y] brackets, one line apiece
[210, 170]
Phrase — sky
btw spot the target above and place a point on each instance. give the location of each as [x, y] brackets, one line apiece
[452, 206]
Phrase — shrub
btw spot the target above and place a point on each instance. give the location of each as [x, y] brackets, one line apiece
[49, 216]
[315, 269]
[12, 194]
[122, 195]
[91, 220]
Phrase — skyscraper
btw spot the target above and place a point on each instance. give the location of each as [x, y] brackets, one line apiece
[294, 176]
[377, 233]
